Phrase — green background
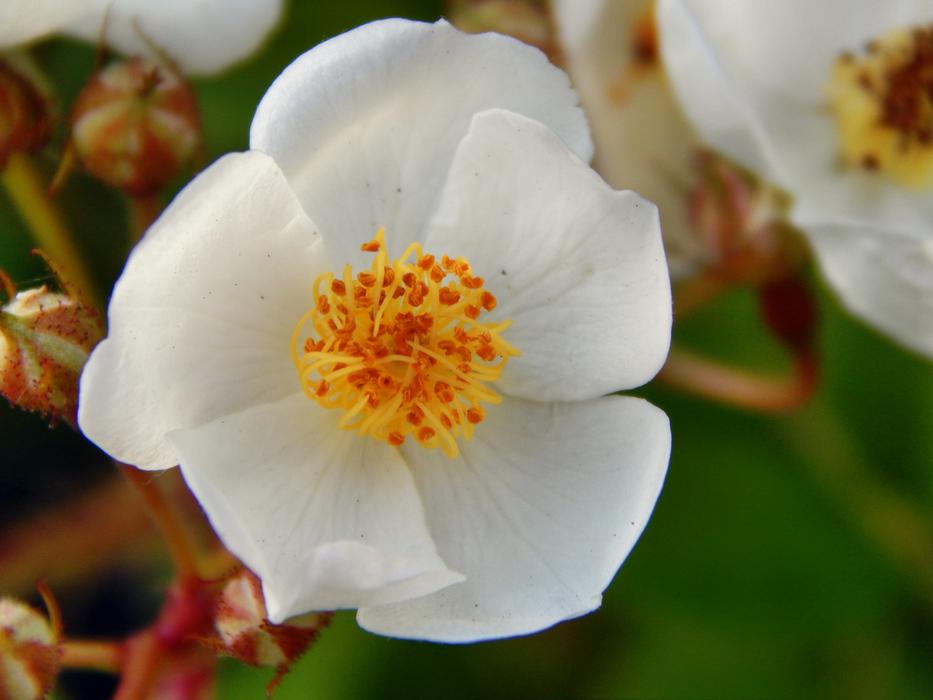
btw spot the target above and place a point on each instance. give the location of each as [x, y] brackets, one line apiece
[774, 563]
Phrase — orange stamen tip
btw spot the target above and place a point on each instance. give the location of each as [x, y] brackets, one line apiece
[398, 352]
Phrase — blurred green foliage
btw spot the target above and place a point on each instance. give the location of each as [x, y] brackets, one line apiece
[773, 565]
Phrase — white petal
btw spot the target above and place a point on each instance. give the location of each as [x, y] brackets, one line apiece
[577, 266]
[365, 125]
[203, 37]
[642, 140]
[326, 519]
[884, 277]
[202, 316]
[711, 96]
[539, 512]
[24, 20]
[578, 20]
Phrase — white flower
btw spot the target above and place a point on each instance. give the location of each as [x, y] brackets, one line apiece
[204, 37]
[790, 90]
[642, 139]
[474, 147]
[22, 21]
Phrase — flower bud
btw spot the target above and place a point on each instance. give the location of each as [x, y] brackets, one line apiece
[25, 108]
[136, 125]
[526, 20]
[246, 633]
[29, 652]
[740, 223]
[45, 339]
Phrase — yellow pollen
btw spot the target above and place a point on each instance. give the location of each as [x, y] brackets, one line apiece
[883, 104]
[401, 348]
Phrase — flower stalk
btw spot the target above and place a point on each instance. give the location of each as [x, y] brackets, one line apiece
[26, 190]
[91, 655]
[742, 388]
[181, 548]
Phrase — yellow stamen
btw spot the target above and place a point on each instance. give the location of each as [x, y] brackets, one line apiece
[401, 348]
[883, 103]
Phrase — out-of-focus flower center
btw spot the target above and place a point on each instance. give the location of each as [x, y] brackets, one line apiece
[401, 348]
[883, 102]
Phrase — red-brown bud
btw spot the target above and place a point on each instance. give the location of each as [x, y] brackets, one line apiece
[246, 633]
[740, 222]
[526, 20]
[45, 339]
[25, 108]
[136, 125]
[29, 652]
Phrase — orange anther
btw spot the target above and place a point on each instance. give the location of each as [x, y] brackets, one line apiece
[423, 316]
[448, 297]
[487, 352]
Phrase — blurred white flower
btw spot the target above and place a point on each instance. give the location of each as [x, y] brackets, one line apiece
[834, 104]
[473, 492]
[203, 37]
[642, 139]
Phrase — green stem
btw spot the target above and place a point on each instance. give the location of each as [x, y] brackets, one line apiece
[26, 189]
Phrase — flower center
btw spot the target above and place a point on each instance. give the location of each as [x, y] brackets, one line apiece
[401, 349]
[883, 102]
